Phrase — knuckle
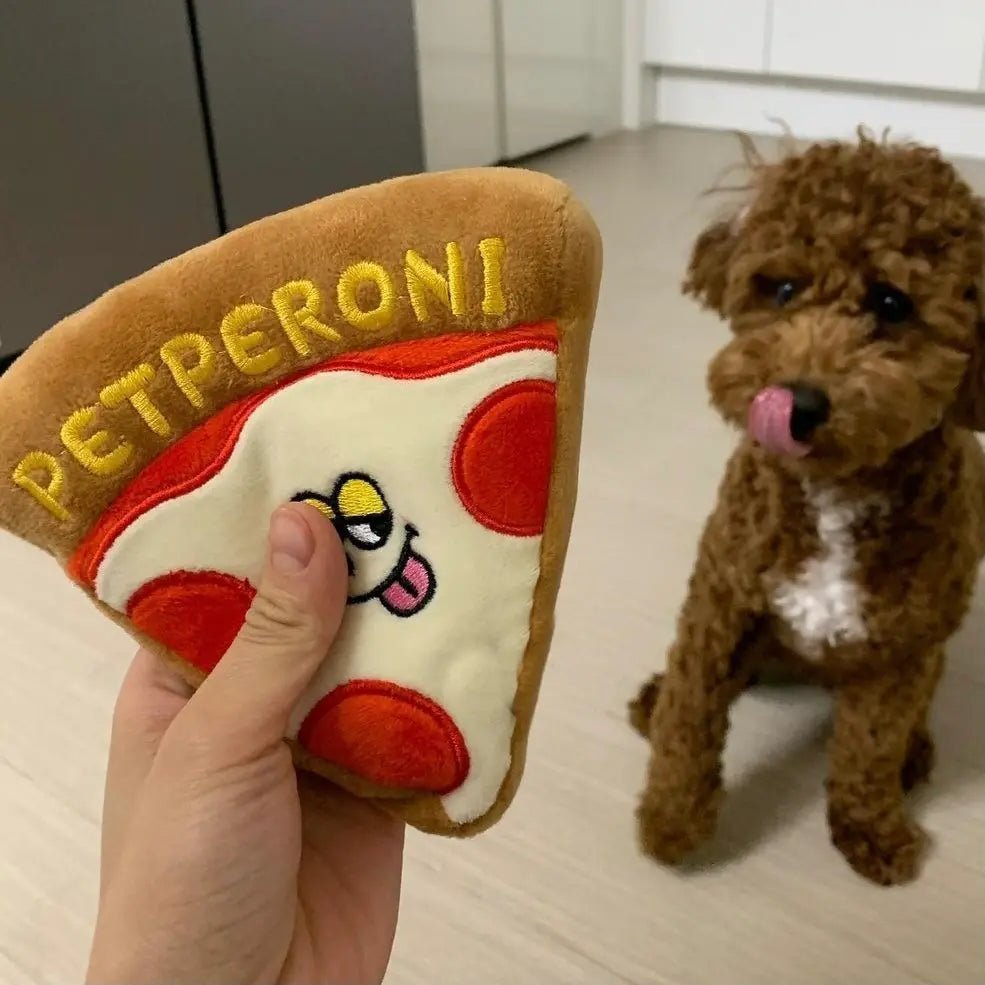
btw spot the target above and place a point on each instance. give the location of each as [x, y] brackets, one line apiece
[277, 618]
[136, 719]
[125, 711]
[128, 725]
[186, 751]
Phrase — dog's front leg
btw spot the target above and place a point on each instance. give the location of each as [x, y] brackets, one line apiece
[707, 667]
[876, 721]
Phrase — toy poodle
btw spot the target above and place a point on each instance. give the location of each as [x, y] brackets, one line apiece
[847, 536]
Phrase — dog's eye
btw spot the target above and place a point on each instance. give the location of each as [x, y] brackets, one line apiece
[779, 291]
[889, 304]
[370, 532]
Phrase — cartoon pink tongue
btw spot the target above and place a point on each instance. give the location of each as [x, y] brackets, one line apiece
[770, 418]
[412, 589]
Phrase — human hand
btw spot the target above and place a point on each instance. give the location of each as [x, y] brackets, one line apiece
[220, 863]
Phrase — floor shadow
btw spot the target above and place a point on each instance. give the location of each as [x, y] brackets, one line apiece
[773, 793]
[958, 728]
[768, 797]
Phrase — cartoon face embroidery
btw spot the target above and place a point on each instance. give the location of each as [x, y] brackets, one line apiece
[382, 563]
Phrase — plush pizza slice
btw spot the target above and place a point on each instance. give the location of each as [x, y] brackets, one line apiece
[443, 455]
[433, 459]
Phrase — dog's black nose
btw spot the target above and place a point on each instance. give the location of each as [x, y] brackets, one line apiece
[811, 408]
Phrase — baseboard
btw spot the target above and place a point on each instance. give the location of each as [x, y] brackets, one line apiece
[818, 110]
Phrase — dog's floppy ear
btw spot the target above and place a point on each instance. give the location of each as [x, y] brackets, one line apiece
[969, 409]
[707, 271]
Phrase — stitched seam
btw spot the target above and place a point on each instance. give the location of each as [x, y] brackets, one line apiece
[184, 577]
[405, 696]
[85, 562]
[458, 465]
[104, 543]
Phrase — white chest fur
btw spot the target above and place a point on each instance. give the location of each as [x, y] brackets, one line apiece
[822, 603]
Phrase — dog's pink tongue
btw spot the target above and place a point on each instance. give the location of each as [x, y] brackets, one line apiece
[770, 417]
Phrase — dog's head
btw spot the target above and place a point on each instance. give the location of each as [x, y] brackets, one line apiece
[852, 283]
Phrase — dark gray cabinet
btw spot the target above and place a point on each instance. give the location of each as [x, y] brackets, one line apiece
[103, 169]
[130, 132]
[308, 97]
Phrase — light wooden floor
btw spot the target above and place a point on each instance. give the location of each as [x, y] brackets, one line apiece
[557, 892]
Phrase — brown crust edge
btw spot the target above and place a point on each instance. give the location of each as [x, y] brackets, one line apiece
[581, 250]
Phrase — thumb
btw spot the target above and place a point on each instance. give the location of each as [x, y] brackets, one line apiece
[243, 707]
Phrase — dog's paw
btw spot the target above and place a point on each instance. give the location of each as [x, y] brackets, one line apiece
[887, 853]
[641, 707]
[919, 759]
[671, 827]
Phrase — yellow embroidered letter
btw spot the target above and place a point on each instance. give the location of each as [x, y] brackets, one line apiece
[239, 344]
[422, 277]
[47, 496]
[296, 317]
[88, 451]
[189, 378]
[491, 251]
[348, 294]
[131, 386]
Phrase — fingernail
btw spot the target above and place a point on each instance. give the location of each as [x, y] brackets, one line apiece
[291, 543]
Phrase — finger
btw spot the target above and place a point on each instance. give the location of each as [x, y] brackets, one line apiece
[150, 698]
[338, 824]
[243, 706]
[353, 858]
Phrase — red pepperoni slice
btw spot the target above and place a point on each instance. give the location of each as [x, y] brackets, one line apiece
[388, 734]
[195, 614]
[503, 456]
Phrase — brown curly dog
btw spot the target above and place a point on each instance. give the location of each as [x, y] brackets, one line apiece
[851, 520]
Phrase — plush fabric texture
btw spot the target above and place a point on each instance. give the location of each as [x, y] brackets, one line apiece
[846, 555]
[439, 596]
[408, 357]
[191, 461]
[502, 458]
[388, 734]
[195, 614]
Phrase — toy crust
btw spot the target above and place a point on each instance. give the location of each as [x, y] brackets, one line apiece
[153, 359]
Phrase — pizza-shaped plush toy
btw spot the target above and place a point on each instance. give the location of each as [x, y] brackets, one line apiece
[408, 359]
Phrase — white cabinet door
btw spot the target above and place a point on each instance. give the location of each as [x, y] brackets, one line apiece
[550, 71]
[505, 78]
[457, 73]
[728, 35]
[935, 44]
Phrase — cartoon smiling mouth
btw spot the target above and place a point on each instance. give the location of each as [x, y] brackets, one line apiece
[410, 585]
[364, 521]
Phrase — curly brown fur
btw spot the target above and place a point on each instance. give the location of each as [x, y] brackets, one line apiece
[857, 560]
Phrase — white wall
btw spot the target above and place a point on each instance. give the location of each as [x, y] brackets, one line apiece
[822, 66]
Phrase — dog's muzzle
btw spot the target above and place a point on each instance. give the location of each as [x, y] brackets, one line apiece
[783, 419]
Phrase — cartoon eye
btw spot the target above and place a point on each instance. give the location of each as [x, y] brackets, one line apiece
[367, 520]
[316, 500]
[359, 496]
[370, 532]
